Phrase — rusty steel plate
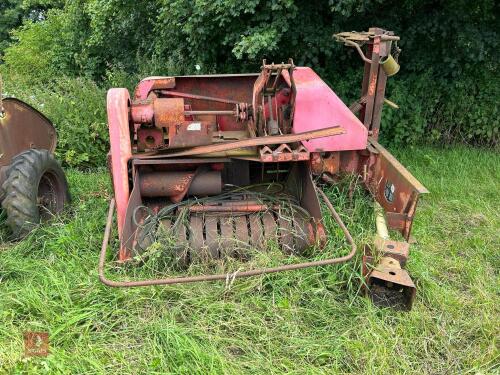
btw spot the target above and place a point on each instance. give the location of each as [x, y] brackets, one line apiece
[190, 134]
[196, 238]
[21, 128]
[286, 233]
[227, 236]
[241, 234]
[270, 228]
[212, 240]
[256, 231]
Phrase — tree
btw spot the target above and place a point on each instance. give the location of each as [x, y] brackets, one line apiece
[14, 12]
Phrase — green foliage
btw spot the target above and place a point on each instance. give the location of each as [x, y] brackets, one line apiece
[10, 18]
[13, 12]
[448, 86]
[416, 98]
[44, 50]
[473, 110]
[437, 111]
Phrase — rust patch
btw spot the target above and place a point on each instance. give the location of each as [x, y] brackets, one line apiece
[164, 83]
[168, 112]
[373, 85]
[329, 163]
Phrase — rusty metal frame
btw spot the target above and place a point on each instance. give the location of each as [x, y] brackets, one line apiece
[283, 153]
[378, 45]
[224, 276]
[257, 141]
[384, 170]
[387, 267]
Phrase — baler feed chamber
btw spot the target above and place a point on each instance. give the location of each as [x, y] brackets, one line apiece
[209, 209]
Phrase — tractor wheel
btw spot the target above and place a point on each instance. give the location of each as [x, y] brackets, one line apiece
[35, 189]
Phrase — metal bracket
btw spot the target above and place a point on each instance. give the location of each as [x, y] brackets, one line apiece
[388, 284]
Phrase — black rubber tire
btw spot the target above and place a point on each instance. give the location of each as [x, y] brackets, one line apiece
[35, 189]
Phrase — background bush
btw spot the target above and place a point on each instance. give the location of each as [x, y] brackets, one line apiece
[65, 55]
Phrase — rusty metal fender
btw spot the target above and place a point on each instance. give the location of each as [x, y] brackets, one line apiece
[22, 127]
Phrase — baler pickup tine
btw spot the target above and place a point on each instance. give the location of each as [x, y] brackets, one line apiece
[213, 277]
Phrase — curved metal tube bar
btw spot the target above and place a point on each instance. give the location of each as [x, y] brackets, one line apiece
[225, 276]
[355, 45]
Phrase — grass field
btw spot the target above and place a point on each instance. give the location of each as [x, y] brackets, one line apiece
[309, 321]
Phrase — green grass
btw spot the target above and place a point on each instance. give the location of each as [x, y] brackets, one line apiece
[309, 321]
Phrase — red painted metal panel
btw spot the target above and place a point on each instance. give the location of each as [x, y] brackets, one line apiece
[121, 149]
[317, 107]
